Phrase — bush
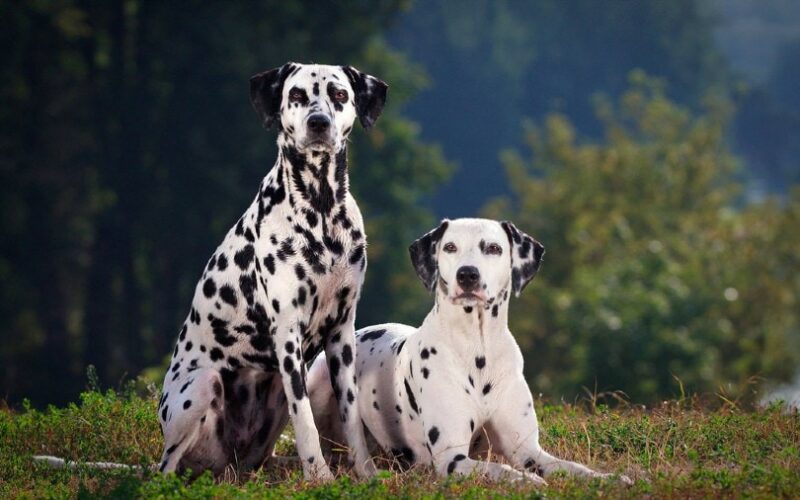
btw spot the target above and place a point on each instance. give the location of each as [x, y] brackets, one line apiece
[657, 272]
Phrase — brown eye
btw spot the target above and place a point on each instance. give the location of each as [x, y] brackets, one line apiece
[494, 249]
[340, 96]
[450, 247]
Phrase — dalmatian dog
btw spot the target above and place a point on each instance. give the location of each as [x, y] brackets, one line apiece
[282, 287]
[441, 393]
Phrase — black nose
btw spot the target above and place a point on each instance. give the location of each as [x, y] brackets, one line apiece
[468, 278]
[319, 123]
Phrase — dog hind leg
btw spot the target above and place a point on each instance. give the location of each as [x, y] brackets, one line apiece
[192, 416]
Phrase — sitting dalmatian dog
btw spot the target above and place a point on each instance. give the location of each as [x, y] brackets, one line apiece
[281, 287]
[429, 395]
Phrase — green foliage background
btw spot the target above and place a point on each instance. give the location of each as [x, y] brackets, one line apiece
[128, 147]
[660, 276]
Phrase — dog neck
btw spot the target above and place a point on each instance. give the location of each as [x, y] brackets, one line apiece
[486, 320]
[315, 180]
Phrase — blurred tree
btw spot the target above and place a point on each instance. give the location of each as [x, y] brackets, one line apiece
[129, 147]
[651, 271]
[494, 63]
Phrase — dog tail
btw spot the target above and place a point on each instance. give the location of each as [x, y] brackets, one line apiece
[60, 463]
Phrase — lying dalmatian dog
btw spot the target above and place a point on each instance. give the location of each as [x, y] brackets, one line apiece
[427, 395]
[281, 287]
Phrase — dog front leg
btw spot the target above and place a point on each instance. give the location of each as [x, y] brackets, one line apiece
[290, 359]
[340, 353]
[454, 460]
[518, 438]
[448, 436]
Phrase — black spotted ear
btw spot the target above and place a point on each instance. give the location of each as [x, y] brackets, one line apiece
[526, 257]
[266, 91]
[423, 255]
[369, 93]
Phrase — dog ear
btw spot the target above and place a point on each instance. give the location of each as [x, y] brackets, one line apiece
[526, 257]
[370, 95]
[266, 91]
[423, 255]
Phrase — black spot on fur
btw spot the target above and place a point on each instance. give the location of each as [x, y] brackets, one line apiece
[300, 272]
[452, 465]
[357, 254]
[347, 355]
[286, 249]
[433, 435]
[480, 362]
[298, 386]
[412, 401]
[333, 366]
[209, 288]
[244, 257]
[288, 364]
[228, 295]
[372, 335]
[247, 285]
[269, 263]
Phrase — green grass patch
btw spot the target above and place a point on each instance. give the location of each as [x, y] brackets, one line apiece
[678, 449]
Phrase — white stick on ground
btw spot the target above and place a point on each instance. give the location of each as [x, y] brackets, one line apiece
[60, 463]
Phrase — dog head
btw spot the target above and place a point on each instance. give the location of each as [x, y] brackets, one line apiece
[473, 261]
[315, 105]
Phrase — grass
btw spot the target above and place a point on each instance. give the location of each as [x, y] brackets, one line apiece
[678, 449]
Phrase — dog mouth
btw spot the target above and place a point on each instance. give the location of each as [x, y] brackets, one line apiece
[319, 143]
[468, 298]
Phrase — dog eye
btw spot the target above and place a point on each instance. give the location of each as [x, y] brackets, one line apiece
[450, 247]
[340, 96]
[494, 249]
[295, 95]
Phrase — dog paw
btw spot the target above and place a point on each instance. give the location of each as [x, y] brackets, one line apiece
[535, 479]
[366, 469]
[320, 473]
[622, 478]
[616, 477]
